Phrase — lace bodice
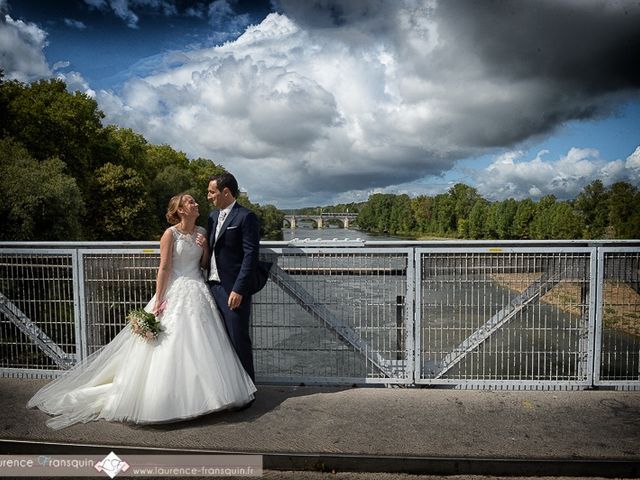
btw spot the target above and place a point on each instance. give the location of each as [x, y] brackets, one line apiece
[186, 254]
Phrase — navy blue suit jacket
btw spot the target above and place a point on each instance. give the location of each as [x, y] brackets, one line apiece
[237, 248]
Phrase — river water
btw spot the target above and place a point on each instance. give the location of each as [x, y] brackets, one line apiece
[364, 295]
[331, 233]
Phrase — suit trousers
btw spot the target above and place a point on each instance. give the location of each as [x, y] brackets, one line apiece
[237, 325]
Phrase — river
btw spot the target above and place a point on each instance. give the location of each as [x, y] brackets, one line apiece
[331, 233]
[542, 342]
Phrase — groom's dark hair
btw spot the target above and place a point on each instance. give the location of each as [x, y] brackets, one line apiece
[226, 180]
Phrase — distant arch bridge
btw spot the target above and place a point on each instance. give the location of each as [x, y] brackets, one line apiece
[320, 220]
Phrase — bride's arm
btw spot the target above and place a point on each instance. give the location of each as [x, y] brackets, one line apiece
[164, 270]
[201, 240]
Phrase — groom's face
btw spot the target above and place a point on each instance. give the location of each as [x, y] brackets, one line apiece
[219, 198]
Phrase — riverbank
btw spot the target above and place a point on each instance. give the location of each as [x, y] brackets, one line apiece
[621, 302]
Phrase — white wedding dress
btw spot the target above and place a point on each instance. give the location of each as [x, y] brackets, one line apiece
[191, 369]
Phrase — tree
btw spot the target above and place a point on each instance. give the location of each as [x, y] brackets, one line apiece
[271, 219]
[564, 222]
[463, 198]
[376, 214]
[421, 207]
[522, 221]
[123, 146]
[119, 203]
[201, 169]
[477, 223]
[592, 204]
[125, 181]
[491, 225]
[51, 122]
[624, 210]
[541, 223]
[504, 220]
[45, 203]
[444, 215]
[170, 181]
[401, 215]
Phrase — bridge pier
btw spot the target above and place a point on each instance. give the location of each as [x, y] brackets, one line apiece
[320, 220]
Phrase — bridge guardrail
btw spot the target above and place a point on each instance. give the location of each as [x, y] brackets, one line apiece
[465, 314]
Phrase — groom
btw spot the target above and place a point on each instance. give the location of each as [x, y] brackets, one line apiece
[234, 240]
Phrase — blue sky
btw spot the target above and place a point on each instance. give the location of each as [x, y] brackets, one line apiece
[313, 103]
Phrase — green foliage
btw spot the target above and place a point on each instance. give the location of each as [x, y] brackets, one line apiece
[505, 218]
[66, 177]
[119, 202]
[129, 149]
[463, 198]
[51, 122]
[421, 207]
[375, 216]
[565, 222]
[461, 212]
[524, 216]
[271, 219]
[540, 224]
[444, 222]
[69, 178]
[624, 210]
[353, 207]
[592, 204]
[44, 202]
[477, 224]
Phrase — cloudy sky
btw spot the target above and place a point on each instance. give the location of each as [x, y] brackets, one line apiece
[327, 101]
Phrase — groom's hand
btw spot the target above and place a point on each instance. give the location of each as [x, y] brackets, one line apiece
[235, 299]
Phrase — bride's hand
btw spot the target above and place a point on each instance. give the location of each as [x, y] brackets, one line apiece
[201, 240]
[159, 308]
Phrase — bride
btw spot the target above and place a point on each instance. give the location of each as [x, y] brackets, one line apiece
[189, 370]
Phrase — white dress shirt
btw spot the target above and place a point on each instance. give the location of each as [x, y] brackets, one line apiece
[222, 215]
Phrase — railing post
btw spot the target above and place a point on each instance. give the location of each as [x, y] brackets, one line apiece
[596, 320]
[399, 324]
[80, 305]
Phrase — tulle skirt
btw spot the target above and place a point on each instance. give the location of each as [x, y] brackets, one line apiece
[189, 370]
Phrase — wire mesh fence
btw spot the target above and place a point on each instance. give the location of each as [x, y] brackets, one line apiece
[38, 327]
[618, 339]
[115, 283]
[334, 315]
[510, 316]
[521, 317]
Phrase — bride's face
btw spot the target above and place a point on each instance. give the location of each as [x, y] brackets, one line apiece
[189, 208]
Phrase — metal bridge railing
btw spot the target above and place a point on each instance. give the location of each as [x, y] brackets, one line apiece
[465, 314]
[617, 335]
[510, 317]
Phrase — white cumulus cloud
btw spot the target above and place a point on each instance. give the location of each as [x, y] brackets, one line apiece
[125, 9]
[21, 49]
[512, 175]
[69, 22]
[330, 97]
[340, 98]
[633, 161]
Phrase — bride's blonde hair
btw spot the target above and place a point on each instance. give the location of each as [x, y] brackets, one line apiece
[173, 217]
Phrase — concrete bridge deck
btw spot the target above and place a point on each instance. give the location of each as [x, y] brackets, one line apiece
[419, 431]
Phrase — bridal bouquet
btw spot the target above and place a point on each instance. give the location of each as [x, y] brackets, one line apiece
[144, 324]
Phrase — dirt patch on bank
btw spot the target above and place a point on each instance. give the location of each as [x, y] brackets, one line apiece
[621, 302]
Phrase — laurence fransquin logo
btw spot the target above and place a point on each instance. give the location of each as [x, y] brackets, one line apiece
[112, 465]
[155, 466]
